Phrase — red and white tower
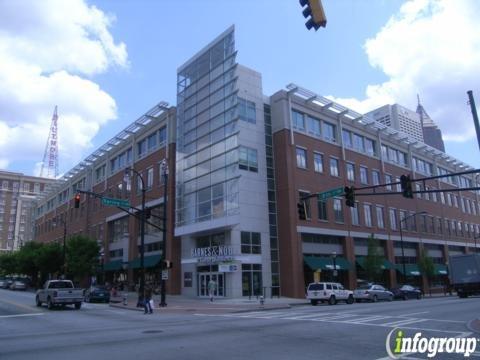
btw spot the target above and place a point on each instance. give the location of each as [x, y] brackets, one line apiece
[50, 170]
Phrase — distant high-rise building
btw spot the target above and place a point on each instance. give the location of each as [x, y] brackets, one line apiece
[432, 135]
[399, 118]
[18, 193]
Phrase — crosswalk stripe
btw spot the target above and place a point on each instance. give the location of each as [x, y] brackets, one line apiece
[403, 322]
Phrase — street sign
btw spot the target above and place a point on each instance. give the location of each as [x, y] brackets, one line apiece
[115, 202]
[164, 274]
[330, 193]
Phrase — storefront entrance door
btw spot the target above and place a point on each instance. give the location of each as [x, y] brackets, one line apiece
[204, 279]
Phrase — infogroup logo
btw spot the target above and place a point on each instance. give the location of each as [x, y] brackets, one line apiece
[431, 346]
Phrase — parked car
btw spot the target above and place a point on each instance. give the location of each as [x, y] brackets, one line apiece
[372, 292]
[406, 292]
[330, 292]
[6, 283]
[18, 285]
[97, 293]
[3, 283]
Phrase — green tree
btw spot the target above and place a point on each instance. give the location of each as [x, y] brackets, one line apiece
[374, 260]
[82, 257]
[49, 260]
[26, 258]
[9, 263]
[426, 266]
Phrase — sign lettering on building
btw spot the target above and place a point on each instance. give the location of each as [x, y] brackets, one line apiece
[212, 254]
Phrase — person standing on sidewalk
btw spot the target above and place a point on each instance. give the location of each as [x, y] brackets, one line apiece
[147, 298]
[212, 286]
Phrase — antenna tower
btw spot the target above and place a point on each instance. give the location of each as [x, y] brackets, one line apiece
[51, 151]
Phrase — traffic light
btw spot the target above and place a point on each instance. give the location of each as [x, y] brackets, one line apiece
[302, 210]
[406, 184]
[167, 264]
[350, 196]
[77, 201]
[314, 9]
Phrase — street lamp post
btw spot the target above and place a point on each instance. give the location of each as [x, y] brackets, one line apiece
[401, 239]
[334, 257]
[64, 223]
[164, 167]
[126, 178]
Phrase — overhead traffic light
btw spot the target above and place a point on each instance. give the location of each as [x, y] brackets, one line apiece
[77, 201]
[406, 185]
[350, 196]
[302, 210]
[314, 10]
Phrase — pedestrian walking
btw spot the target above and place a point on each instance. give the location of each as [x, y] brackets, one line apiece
[147, 298]
[212, 286]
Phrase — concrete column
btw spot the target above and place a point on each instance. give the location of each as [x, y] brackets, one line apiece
[349, 253]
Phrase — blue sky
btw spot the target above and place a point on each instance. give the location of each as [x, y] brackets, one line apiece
[104, 63]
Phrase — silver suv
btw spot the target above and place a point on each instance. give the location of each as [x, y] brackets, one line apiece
[328, 291]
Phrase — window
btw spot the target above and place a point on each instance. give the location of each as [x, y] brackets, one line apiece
[149, 178]
[152, 141]
[363, 175]
[388, 180]
[350, 172]
[318, 162]
[162, 136]
[380, 220]
[298, 120]
[250, 243]
[328, 131]
[248, 159]
[100, 173]
[354, 214]
[358, 143]
[308, 211]
[322, 210]
[142, 147]
[367, 211]
[337, 210]
[375, 177]
[333, 167]
[347, 138]
[369, 147]
[313, 126]
[301, 158]
[403, 215]
[246, 110]
[393, 219]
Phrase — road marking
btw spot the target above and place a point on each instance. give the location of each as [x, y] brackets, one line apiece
[26, 307]
[20, 315]
[411, 314]
[403, 322]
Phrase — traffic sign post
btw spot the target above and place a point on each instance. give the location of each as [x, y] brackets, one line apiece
[330, 193]
[115, 202]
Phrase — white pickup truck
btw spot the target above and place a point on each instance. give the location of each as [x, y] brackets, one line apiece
[59, 292]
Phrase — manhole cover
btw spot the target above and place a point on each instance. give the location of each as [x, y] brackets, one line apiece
[152, 331]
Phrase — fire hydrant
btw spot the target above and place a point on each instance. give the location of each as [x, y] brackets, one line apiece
[125, 302]
[262, 300]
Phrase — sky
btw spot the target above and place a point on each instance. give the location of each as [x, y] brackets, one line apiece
[104, 63]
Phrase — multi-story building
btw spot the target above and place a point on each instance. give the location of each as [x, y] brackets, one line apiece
[17, 195]
[320, 145]
[432, 135]
[142, 146]
[239, 163]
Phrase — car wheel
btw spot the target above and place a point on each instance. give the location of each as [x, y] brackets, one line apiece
[332, 300]
[350, 300]
[78, 306]
[37, 301]
[49, 304]
[314, 302]
[374, 299]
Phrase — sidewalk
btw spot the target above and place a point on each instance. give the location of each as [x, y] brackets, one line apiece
[184, 304]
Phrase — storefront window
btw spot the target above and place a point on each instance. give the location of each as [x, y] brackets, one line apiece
[252, 284]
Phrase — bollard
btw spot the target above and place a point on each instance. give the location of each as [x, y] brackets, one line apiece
[125, 303]
[262, 300]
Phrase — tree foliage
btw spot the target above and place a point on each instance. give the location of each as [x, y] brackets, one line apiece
[426, 266]
[9, 263]
[49, 259]
[81, 257]
[374, 260]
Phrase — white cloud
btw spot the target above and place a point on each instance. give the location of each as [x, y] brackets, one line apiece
[431, 47]
[47, 50]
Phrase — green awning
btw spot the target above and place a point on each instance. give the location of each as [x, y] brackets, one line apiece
[148, 261]
[410, 269]
[387, 265]
[114, 265]
[326, 263]
[441, 269]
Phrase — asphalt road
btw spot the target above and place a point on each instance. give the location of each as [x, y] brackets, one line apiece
[342, 331]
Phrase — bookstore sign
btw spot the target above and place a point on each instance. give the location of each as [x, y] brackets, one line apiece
[213, 254]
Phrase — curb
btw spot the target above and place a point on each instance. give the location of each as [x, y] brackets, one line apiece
[120, 306]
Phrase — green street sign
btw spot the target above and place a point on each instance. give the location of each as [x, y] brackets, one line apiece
[330, 193]
[115, 202]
